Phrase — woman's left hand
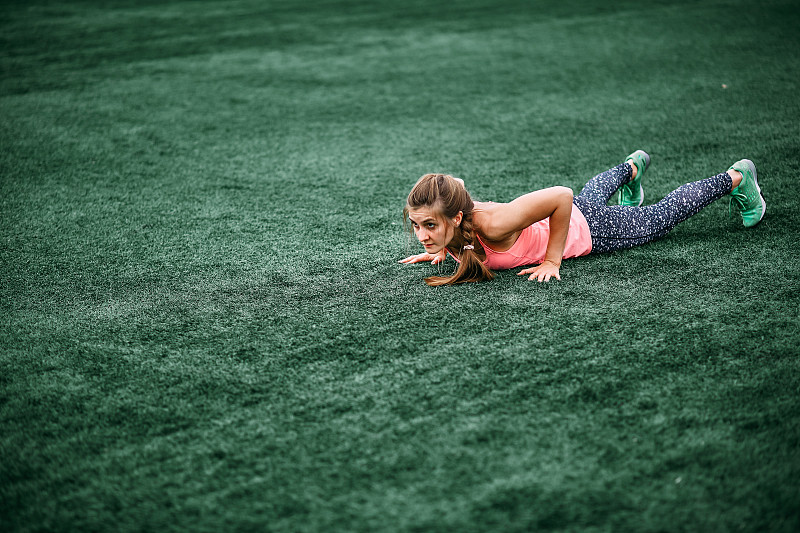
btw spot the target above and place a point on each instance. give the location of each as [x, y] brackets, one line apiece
[542, 272]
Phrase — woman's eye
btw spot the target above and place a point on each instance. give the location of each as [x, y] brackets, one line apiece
[431, 226]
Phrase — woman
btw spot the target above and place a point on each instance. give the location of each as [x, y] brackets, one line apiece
[543, 227]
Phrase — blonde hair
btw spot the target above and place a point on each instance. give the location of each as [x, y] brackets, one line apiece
[448, 195]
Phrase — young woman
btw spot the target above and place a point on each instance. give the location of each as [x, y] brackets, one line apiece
[543, 227]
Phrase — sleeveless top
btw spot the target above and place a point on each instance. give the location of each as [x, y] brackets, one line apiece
[531, 245]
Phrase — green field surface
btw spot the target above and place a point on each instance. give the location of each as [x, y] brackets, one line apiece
[204, 325]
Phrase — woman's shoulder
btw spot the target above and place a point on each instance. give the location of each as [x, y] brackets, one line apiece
[487, 208]
[485, 221]
[483, 213]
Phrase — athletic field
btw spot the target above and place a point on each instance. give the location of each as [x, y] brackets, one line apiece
[204, 327]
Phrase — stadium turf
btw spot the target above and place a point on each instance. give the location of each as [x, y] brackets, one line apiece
[205, 327]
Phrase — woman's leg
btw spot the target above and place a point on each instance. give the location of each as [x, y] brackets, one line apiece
[617, 227]
[600, 188]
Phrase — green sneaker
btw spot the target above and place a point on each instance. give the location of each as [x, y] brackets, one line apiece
[746, 198]
[632, 193]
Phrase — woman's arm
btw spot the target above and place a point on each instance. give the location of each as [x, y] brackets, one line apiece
[555, 203]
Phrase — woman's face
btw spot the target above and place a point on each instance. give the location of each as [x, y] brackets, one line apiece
[433, 231]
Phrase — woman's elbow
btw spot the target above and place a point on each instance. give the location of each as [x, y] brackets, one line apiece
[565, 193]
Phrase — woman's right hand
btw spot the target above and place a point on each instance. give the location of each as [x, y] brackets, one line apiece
[435, 259]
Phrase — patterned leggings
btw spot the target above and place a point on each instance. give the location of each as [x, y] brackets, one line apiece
[616, 227]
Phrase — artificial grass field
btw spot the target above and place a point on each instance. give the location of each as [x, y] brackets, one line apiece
[205, 327]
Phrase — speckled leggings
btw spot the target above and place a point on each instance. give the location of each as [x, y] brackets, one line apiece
[615, 227]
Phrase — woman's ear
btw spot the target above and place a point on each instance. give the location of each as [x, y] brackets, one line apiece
[457, 218]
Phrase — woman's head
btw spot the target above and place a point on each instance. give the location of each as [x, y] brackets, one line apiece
[440, 211]
[436, 207]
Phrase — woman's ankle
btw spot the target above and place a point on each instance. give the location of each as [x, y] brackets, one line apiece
[736, 178]
[634, 170]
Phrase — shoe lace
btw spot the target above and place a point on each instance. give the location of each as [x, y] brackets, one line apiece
[740, 200]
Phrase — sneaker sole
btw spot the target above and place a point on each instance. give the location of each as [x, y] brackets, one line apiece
[752, 168]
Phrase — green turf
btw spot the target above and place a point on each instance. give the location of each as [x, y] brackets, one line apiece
[203, 325]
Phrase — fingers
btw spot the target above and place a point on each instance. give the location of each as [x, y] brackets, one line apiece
[421, 257]
[541, 274]
[439, 258]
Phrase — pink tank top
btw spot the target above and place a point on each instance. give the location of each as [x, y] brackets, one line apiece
[531, 244]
